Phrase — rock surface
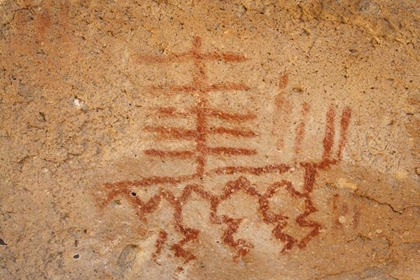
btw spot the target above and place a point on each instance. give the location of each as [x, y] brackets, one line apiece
[239, 139]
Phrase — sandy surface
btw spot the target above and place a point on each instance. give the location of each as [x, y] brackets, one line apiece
[209, 139]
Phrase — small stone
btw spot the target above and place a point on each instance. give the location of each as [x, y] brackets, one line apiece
[78, 103]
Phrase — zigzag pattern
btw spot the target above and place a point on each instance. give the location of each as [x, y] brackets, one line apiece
[242, 184]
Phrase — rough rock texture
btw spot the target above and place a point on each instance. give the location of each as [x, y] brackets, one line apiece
[210, 139]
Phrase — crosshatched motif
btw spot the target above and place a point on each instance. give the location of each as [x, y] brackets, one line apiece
[200, 151]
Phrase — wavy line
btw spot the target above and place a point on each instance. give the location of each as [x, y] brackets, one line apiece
[230, 225]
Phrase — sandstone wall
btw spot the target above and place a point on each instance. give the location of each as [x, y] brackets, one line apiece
[209, 139]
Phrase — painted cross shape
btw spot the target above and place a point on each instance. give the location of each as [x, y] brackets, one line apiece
[201, 112]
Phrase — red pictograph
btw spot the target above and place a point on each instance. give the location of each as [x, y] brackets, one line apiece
[200, 151]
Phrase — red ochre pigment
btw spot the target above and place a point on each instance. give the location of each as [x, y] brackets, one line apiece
[201, 112]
